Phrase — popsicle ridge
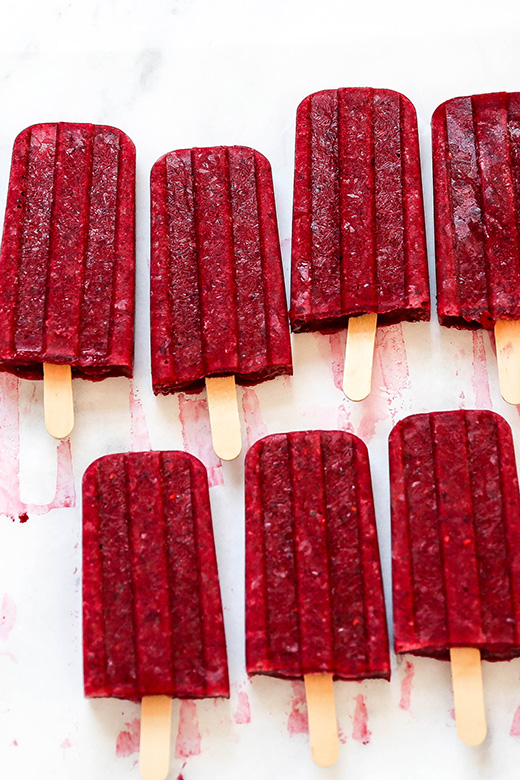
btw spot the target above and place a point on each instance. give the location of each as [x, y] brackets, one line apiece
[218, 302]
[358, 223]
[67, 256]
[312, 559]
[476, 151]
[152, 619]
[455, 535]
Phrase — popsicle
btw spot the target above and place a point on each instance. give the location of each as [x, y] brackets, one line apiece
[358, 248]
[218, 310]
[476, 168]
[456, 544]
[67, 259]
[152, 615]
[314, 596]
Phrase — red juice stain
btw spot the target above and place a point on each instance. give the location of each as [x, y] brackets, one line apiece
[139, 433]
[298, 722]
[127, 742]
[7, 617]
[344, 421]
[390, 381]
[515, 726]
[243, 709]
[188, 742]
[10, 500]
[480, 378]
[196, 435]
[255, 426]
[360, 730]
[338, 342]
[406, 686]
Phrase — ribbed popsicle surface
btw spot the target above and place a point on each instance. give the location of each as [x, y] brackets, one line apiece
[476, 159]
[68, 252]
[358, 223]
[455, 534]
[152, 615]
[217, 293]
[314, 598]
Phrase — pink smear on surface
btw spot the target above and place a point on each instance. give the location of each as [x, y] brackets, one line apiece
[480, 379]
[360, 730]
[188, 734]
[65, 745]
[255, 426]
[406, 686]
[344, 421]
[10, 500]
[298, 722]
[139, 434]
[243, 709]
[338, 342]
[332, 351]
[515, 726]
[7, 617]
[127, 742]
[196, 435]
[342, 736]
[390, 381]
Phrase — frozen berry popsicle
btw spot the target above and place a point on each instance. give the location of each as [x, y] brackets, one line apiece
[476, 167]
[314, 597]
[152, 615]
[67, 254]
[218, 310]
[455, 535]
[359, 243]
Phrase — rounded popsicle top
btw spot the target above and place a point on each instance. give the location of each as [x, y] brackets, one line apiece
[326, 94]
[484, 99]
[298, 438]
[79, 130]
[197, 151]
[118, 460]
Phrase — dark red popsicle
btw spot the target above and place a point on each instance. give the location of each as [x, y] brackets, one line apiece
[455, 535]
[217, 293]
[358, 223]
[68, 251]
[152, 615]
[476, 167]
[314, 597]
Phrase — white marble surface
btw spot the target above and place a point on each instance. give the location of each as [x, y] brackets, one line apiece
[178, 73]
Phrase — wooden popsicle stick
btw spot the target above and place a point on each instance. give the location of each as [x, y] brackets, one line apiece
[468, 693]
[224, 418]
[154, 747]
[507, 338]
[359, 356]
[58, 402]
[321, 713]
